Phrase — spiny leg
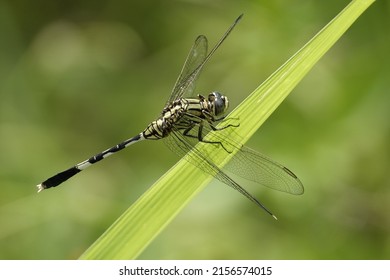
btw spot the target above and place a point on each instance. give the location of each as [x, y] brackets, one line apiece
[200, 136]
[212, 119]
[213, 127]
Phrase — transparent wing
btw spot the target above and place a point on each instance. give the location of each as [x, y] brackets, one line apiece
[186, 81]
[180, 145]
[250, 164]
[194, 63]
[254, 166]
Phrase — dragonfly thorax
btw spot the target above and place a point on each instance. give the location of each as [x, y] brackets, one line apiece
[186, 112]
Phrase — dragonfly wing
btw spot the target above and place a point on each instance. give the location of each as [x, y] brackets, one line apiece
[194, 63]
[254, 166]
[191, 69]
[180, 145]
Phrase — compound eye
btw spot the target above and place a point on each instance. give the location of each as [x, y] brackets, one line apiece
[218, 103]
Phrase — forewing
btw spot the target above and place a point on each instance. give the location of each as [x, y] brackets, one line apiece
[186, 81]
[194, 63]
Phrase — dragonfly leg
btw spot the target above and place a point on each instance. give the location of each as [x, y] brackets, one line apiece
[213, 127]
[212, 119]
[201, 138]
[199, 122]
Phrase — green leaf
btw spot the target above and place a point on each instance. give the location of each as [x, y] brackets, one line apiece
[148, 216]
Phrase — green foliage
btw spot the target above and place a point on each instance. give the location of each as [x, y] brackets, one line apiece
[77, 78]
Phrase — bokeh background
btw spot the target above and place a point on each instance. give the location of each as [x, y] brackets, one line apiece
[77, 77]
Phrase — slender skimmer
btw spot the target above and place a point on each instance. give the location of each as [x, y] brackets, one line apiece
[186, 121]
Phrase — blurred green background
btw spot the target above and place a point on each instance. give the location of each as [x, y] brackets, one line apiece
[77, 77]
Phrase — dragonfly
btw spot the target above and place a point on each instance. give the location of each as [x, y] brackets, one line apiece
[187, 120]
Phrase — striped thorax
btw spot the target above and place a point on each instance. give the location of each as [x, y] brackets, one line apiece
[196, 110]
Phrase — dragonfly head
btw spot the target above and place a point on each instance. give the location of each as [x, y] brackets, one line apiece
[218, 103]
